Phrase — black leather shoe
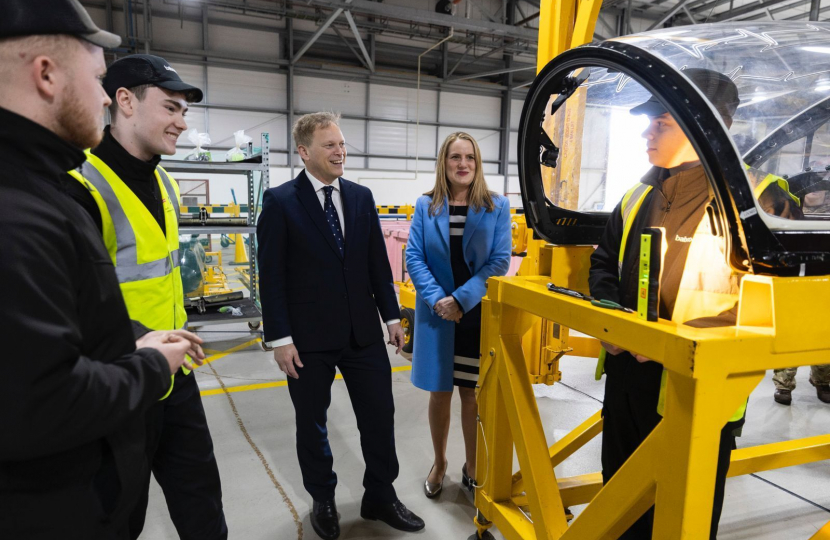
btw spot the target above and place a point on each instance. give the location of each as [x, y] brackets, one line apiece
[394, 514]
[324, 520]
[822, 391]
[468, 483]
[782, 396]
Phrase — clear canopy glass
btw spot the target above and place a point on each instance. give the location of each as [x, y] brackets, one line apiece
[782, 72]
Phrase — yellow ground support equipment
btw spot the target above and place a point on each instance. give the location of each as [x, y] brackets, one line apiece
[784, 266]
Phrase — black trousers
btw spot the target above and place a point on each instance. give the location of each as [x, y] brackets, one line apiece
[368, 378]
[629, 415]
[73, 512]
[180, 451]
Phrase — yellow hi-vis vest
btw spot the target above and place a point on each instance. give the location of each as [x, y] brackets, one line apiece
[146, 258]
[709, 286]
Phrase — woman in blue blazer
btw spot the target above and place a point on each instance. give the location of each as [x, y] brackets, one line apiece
[460, 237]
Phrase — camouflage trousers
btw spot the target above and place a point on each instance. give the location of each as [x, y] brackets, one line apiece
[784, 379]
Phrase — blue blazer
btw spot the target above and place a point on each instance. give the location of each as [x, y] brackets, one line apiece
[487, 247]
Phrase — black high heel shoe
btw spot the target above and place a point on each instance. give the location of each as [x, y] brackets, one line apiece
[466, 481]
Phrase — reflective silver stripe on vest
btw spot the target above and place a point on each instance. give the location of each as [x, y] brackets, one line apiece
[636, 193]
[171, 193]
[168, 185]
[126, 255]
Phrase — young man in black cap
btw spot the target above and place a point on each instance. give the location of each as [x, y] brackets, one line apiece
[135, 204]
[697, 287]
[76, 383]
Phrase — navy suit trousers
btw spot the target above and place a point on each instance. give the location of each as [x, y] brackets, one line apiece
[368, 377]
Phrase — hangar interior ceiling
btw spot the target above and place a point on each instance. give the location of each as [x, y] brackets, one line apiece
[479, 57]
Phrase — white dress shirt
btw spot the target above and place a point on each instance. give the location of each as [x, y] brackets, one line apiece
[338, 205]
[335, 197]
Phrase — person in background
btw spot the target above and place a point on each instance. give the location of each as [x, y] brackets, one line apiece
[135, 205]
[459, 238]
[324, 277]
[76, 381]
[784, 380]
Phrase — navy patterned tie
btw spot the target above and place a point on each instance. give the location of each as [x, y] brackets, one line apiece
[332, 219]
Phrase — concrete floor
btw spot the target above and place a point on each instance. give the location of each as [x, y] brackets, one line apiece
[253, 432]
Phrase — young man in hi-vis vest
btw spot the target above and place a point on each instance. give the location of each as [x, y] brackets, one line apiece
[673, 195]
[135, 203]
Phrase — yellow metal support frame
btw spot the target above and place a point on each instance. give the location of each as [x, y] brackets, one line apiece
[710, 372]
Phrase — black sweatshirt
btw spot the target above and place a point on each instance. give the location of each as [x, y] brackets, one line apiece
[137, 174]
[677, 203]
[74, 388]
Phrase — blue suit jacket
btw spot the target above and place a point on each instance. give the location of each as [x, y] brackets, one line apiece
[487, 244]
[308, 290]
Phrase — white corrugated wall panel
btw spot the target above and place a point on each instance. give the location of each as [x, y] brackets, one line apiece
[516, 112]
[173, 33]
[512, 149]
[244, 41]
[488, 141]
[224, 123]
[195, 118]
[354, 133]
[466, 109]
[313, 94]
[246, 88]
[190, 73]
[402, 103]
[98, 16]
[425, 166]
[393, 139]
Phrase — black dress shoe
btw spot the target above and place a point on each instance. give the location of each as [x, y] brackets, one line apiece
[324, 520]
[394, 514]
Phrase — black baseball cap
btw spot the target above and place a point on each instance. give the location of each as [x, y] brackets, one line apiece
[717, 87]
[140, 69]
[51, 17]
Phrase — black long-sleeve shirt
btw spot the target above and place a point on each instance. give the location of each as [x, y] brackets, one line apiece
[74, 387]
[677, 203]
[137, 174]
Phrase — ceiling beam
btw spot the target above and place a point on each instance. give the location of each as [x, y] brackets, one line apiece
[360, 44]
[460, 24]
[316, 35]
[490, 73]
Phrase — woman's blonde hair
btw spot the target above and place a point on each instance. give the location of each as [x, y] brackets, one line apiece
[478, 197]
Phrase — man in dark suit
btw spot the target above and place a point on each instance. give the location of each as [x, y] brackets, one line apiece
[324, 275]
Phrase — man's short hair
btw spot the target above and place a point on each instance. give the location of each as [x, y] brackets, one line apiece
[16, 51]
[138, 91]
[306, 125]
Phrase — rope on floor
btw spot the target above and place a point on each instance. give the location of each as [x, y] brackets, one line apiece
[297, 521]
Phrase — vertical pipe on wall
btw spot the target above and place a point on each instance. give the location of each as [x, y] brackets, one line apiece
[146, 16]
[109, 16]
[289, 94]
[366, 125]
[506, 106]
[205, 47]
[127, 24]
[815, 8]
[437, 119]
[418, 98]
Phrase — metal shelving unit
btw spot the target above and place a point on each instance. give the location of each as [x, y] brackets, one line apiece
[251, 307]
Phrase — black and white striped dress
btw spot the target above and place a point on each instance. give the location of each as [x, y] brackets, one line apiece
[468, 331]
